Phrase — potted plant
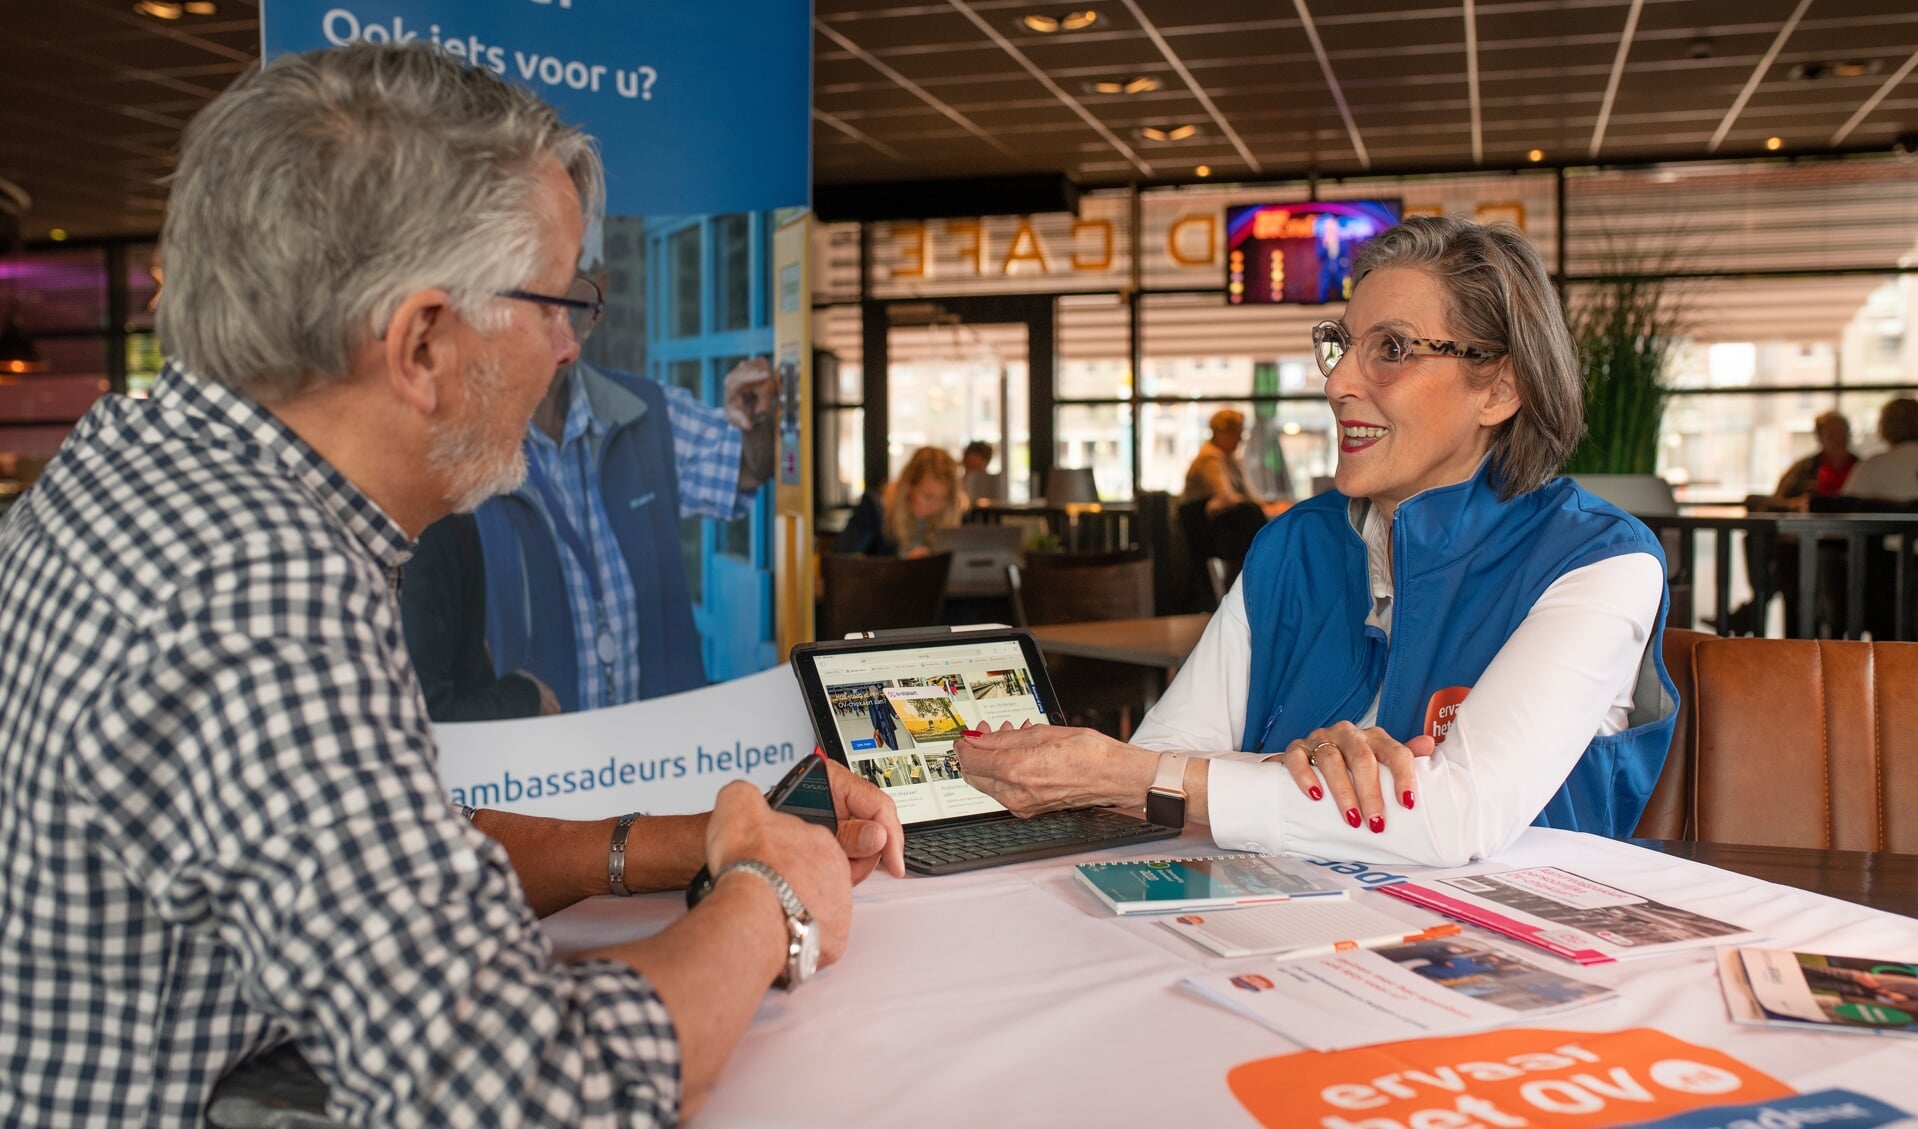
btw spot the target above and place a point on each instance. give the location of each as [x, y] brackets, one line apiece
[1626, 327]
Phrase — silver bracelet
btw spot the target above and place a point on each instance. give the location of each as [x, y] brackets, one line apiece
[467, 812]
[616, 861]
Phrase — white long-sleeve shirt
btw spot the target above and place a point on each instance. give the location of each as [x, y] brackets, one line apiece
[1567, 674]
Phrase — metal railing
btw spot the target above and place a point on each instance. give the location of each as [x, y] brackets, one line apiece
[1871, 558]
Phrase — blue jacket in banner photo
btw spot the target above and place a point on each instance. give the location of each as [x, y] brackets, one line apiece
[1466, 570]
[529, 624]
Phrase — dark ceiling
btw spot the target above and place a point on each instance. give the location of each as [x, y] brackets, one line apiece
[93, 96]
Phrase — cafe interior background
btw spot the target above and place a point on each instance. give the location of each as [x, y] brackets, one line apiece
[1018, 220]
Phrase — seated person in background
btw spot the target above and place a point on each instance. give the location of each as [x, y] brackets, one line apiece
[1522, 614]
[1819, 474]
[1891, 475]
[925, 498]
[980, 484]
[218, 760]
[1234, 511]
[1824, 471]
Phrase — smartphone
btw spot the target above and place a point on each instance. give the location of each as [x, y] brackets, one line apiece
[805, 791]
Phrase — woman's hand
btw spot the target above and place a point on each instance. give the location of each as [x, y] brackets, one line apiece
[1041, 768]
[1349, 761]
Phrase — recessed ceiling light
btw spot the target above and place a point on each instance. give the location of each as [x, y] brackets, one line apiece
[1535, 156]
[1168, 132]
[159, 9]
[1774, 143]
[1144, 84]
[1047, 24]
[201, 7]
[1202, 171]
[58, 235]
[1814, 70]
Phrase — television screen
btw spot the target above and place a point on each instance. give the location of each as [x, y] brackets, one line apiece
[1299, 252]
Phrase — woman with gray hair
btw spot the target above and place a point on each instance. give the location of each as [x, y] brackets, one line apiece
[1456, 615]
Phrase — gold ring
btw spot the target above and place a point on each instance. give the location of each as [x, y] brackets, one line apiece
[1321, 745]
[1312, 759]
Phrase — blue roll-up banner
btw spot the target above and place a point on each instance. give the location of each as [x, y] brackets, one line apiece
[703, 117]
[698, 108]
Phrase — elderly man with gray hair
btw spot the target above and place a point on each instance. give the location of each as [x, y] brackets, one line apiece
[222, 821]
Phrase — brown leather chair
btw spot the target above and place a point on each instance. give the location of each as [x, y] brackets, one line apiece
[1077, 588]
[1805, 743]
[1668, 814]
[881, 593]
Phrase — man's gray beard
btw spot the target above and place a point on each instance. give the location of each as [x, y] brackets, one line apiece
[459, 454]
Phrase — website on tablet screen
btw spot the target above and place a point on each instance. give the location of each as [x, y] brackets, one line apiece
[897, 714]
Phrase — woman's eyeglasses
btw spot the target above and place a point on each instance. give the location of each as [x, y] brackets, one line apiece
[583, 303]
[1382, 353]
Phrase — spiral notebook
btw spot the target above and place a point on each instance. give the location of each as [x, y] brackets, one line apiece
[1209, 882]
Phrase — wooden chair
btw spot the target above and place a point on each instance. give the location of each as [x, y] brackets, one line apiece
[1081, 587]
[1799, 743]
[881, 593]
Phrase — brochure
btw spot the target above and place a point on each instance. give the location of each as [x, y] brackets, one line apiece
[1567, 915]
[1296, 928]
[1448, 986]
[1177, 885]
[1820, 992]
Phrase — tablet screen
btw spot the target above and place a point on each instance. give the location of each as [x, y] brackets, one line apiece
[896, 714]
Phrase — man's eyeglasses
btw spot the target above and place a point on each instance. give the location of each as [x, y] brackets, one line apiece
[583, 303]
[1382, 354]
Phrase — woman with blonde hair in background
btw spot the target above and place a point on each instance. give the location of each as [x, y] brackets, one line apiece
[901, 521]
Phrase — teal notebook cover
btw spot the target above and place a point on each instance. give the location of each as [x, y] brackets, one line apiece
[1171, 885]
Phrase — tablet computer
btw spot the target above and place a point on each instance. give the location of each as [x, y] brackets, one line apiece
[890, 708]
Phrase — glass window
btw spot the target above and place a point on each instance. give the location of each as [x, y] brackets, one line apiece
[1287, 444]
[56, 290]
[144, 361]
[1094, 348]
[685, 374]
[143, 287]
[733, 255]
[1097, 436]
[842, 472]
[683, 264]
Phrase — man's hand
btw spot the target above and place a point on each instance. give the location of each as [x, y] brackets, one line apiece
[749, 392]
[804, 854]
[548, 701]
[869, 830]
[1043, 768]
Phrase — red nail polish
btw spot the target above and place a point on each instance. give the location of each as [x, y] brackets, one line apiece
[1314, 792]
[1377, 824]
[1405, 798]
[1352, 816]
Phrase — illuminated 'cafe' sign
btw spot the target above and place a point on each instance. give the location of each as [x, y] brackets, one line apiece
[998, 254]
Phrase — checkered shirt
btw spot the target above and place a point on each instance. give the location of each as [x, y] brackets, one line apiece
[221, 825]
[706, 450]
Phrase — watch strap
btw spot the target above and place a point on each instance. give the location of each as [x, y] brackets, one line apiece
[798, 920]
[616, 857]
[1165, 799]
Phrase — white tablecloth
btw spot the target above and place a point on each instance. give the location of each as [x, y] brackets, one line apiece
[1011, 997]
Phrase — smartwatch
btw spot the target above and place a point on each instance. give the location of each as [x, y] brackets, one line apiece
[1165, 800]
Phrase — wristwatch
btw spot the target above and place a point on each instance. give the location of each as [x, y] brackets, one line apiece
[1165, 800]
[802, 940]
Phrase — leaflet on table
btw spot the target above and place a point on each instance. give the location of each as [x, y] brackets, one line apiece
[1428, 988]
[1818, 991]
[1213, 881]
[1284, 927]
[896, 722]
[1566, 914]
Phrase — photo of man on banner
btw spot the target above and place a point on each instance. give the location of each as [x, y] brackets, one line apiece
[572, 592]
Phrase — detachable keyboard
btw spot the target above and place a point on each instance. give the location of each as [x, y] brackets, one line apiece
[948, 850]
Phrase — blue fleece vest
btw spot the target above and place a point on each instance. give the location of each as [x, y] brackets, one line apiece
[1466, 569]
[529, 619]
